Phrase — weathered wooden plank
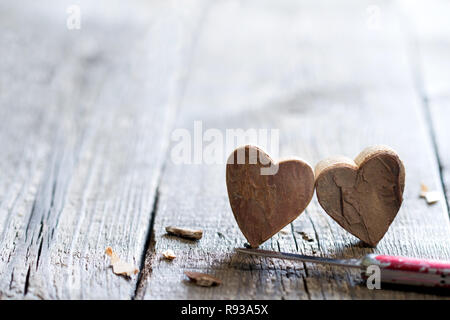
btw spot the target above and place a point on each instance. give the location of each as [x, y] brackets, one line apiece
[332, 84]
[440, 117]
[430, 34]
[85, 117]
[428, 28]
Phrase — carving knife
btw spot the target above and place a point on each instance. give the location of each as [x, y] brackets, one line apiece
[393, 269]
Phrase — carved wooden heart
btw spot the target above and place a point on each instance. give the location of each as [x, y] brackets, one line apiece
[364, 195]
[264, 195]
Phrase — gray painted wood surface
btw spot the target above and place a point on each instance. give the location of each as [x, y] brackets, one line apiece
[429, 33]
[87, 117]
[83, 113]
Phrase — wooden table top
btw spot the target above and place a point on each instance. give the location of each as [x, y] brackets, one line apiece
[86, 135]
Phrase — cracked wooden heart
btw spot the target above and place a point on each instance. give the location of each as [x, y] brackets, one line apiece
[363, 195]
[264, 195]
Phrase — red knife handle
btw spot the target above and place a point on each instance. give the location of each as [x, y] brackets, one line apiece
[409, 271]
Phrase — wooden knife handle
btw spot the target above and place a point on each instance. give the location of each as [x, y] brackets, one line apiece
[409, 271]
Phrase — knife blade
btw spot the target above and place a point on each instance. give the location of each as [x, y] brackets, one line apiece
[393, 269]
[351, 263]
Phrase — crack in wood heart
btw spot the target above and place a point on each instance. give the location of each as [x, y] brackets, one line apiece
[264, 204]
[364, 195]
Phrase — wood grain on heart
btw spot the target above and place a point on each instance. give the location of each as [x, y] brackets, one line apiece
[264, 203]
[363, 195]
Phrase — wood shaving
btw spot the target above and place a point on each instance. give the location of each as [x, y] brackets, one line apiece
[286, 230]
[306, 237]
[430, 196]
[195, 234]
[202, 279]
[423, 190]
[169, 254]
[119, 267]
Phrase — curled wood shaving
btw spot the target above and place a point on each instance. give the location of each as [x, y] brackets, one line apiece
[185, 232]
[169, 254]
[120, 267]
[430, 196]
[202, 279]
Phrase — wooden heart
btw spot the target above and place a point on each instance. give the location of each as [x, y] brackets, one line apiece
[363, 195]
[264, 195]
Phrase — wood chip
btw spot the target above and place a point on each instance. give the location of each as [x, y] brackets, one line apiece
[202, 279]
[185, 232]
[120, 267]
[169, 254]
[423, 190]
[305, 236]
[430, 196]
[286, 230]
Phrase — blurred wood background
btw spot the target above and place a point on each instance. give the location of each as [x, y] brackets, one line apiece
[87, 116]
